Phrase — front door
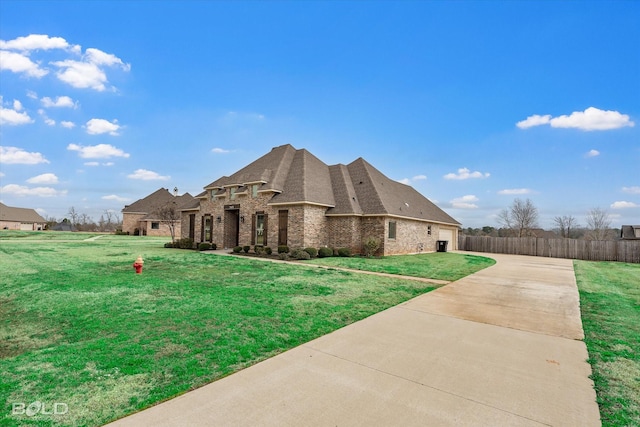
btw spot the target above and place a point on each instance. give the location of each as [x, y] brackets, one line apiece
[231, 228]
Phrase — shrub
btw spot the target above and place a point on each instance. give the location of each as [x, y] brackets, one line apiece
[185, 243]
[246, 249]
[204, 246]
[344, 252]
[214, 246]
[300, 254]
[268, 250]
[370, 247]
[283, 256]
[313, 252]
[325, 252]
[283, 249]
[168, 245]
[259, 250]
[237, 249]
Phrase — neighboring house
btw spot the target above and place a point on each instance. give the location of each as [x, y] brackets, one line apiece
[63, 226]
[290, 197]
[143, 217]
[20, 219]
[630, 232]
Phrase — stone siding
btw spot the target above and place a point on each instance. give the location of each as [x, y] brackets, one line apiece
[308, 226]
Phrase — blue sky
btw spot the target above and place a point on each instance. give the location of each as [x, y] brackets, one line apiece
[474, 103]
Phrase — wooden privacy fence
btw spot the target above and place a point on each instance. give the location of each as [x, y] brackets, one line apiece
[590, 250]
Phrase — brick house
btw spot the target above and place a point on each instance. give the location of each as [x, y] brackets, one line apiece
[290, 197]
[20, 219]
[142, 217]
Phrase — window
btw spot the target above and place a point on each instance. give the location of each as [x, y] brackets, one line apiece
[428, 230]
[259, 229]
[254, 190]
[155, 226]
[233, 193]
[392, 229]
[213, 194]
[207, 228]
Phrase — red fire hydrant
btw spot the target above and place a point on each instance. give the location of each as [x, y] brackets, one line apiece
[138, 265]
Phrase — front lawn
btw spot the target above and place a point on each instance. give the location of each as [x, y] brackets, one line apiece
[78, 327]
[610, 306]
[436, 265]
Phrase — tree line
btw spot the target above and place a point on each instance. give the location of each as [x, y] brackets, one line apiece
[108, 222]
[521, 220]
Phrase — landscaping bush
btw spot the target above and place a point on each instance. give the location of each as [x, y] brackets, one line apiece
[214, 246]
[283, 256]
[168, 245]
[344, 252]
[313, 252]
[268, 250]
[185, 243]
[325, 252]
[370, 247]
[300, 254]
[246, 249]
[283, 249]
[237, 249]
[204, 246]
[258, 249]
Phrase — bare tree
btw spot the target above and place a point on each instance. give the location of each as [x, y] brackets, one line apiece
[520, 217]
[565, 225]
[170, 214]
[598, 223]
[74, 216]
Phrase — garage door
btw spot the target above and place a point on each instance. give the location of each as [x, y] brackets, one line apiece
[446, 235]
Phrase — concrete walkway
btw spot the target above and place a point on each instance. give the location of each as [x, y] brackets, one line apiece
[498, 348]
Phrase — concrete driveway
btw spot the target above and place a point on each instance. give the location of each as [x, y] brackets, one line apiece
[501, 347]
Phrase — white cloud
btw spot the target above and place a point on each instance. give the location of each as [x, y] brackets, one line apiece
[465, 202]
[98, 57]
[100, 126]
[98, 164]
[464, 173]
[45, 178]
[68, 125]
[590, 119]
[15, 155]
[88, 73]
[220, 150]
[21, 190]
[535, 120]
[115, 198]
[31, 94]
[514, 191]
[37, 42]
[147, 175]
[60, 101]
[13, 116]
[19, 63]
[592, 153]
[624, 205]
[631, 190]
[408, 181]
[100, 151]
[82, 75]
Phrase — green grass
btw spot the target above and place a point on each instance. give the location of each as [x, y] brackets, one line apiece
[437, 265]
[610, 306]
[77, 326]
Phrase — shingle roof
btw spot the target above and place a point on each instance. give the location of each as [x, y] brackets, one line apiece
[157, 199]
[25, 215]
[629, 232]
[297, 176]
